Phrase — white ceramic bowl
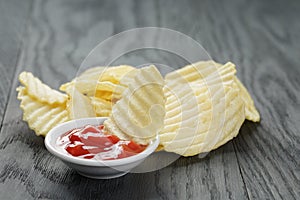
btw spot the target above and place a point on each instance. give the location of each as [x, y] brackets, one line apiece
[92, 168]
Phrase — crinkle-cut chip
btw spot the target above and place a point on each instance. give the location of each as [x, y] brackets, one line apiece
[140, 112]
[101, 107]
[250, 110]
[202, 112]
[111, 127]
[41, 116]
[194, 72]
[123, 85]
[87, 82]
[106, 86]
[204, 72]
[103, 113]
[40, 91]
[234, 116]
[191, 73]
[98, 102]
[115, 74]
[79, 105]
[108, 91]
[105, 95]
[65, 86]
[127, 78]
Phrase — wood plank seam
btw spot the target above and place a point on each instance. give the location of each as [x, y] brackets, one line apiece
[240, 169]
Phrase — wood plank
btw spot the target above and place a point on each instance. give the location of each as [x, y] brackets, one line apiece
[57, 39]
[12, 23]
[263, 43]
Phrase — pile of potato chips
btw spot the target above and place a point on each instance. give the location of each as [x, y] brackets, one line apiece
[194, 109]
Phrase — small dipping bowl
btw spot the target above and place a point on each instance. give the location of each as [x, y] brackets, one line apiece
[92, 168]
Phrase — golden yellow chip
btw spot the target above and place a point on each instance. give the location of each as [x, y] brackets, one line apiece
[86, 82]
[250, 110]
[140, 112]
[43, 93]
[107, 91]
[159, 148]
[41, 116]
[106, 86]
[102, 78]
[115, 74]
[203, 108]
[101, 107]
[111, 127]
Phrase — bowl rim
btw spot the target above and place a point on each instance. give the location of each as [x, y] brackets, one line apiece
[55, 132]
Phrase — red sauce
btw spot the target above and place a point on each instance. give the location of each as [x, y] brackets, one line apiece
[94, 142]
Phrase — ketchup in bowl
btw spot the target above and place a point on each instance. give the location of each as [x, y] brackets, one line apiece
[95, 142]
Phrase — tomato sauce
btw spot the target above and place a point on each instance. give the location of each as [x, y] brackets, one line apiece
[94, 142]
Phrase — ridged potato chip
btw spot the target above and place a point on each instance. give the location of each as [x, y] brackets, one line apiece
[203, 108]
[140, 112]
[111, 127]
[115, 74]
[79, 105]
[105, 90]
[86, 82]
[251, 112]
[41, 116]
[40, 91]
[99, 78]
[101, 107]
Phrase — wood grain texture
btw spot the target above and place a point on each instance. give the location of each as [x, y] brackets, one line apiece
[269, 154]
[261, 37]
[12, 23]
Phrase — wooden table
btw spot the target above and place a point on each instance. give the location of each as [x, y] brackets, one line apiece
[51, 38]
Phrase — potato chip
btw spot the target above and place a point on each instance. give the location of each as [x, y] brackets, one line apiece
[115, 74]
[194, 72]
[203, 108]
[159, 148]
[101, 107]
[140, 112]
[41, 116]
[234, 117]
[92, 79]
[123, 85]
[42, 92]
[79, 105]
[111, 127]
[250, 110]
[86, 82]
[106, 90]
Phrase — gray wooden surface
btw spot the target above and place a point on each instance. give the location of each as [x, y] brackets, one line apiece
[51, 39]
